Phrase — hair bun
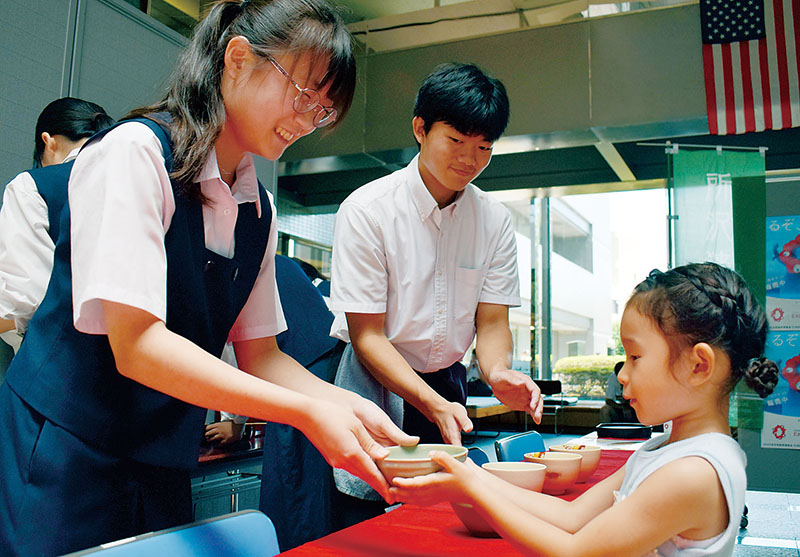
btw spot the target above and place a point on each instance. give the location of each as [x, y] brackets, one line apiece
[761, 375]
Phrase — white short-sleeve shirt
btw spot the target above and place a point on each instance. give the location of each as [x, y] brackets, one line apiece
[26, 249]
[396, 252]
[121, 205]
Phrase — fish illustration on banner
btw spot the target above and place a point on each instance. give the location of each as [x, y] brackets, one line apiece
[781, 426]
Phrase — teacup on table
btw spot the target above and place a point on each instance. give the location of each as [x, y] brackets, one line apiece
[590, 454]
[527, 475]
[562, 469]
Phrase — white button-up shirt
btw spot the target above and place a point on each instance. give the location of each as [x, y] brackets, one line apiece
[121, 205]
[396, 252]
[26, 249]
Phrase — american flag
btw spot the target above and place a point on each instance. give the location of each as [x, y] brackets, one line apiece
[751, 64]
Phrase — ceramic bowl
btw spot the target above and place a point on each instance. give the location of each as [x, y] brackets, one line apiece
[527, 475]
[589, 462]
[473, 521]
[407, 462]
[562, 469]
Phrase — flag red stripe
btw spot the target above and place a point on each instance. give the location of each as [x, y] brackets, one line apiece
[796, 14]
[783, 67]
[711, 93]
[765, 90]
[726, 104]
[730, 101]
[747, 88]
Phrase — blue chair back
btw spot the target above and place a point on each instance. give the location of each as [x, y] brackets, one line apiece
[477, 455]
[514, 447]
[242, 534]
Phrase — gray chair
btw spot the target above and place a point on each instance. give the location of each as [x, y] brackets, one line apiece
[514, 447]
[243, 534]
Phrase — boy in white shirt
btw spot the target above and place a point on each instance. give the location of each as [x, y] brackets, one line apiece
[423, 261]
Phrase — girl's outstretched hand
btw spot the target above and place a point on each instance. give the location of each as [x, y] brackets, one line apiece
[450, 484]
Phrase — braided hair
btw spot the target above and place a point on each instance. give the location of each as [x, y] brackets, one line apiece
[706, 302]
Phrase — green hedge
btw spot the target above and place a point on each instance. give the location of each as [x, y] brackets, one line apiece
[585, 376]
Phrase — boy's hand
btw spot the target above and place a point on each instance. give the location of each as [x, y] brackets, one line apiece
[452, 419]
[517, 391]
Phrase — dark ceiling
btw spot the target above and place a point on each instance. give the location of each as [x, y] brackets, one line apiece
[543, 168]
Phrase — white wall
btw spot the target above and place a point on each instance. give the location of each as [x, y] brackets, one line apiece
[32, 47]
[582, 293]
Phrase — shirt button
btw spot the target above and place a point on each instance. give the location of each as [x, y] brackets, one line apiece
[226, 212]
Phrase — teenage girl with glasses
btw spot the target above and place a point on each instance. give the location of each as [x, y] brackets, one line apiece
[171, 254]
[690, 335]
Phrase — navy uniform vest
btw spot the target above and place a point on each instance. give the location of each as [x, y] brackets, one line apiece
[51, 182]
[71, 377]
[308, 318]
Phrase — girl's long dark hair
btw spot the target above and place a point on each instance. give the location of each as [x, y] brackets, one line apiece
[194, 97]
[73, 118]
[706, 302]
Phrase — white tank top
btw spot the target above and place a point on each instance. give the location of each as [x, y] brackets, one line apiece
[729, 461]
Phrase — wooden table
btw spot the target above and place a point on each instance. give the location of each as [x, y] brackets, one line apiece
[430, 531]
[485, 406]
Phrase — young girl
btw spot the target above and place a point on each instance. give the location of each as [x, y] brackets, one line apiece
[166, 250]
[689, 335]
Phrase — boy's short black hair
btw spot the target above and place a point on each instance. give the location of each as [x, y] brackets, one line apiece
[464, 97]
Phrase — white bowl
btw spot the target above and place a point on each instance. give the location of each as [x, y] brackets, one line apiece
[473, 521]
[562, 469]
[590, 454]
[407, 462]
[527, 475]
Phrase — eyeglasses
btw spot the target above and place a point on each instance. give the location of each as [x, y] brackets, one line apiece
[308, 100]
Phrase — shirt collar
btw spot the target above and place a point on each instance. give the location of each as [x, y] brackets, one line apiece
[423, 200]
[72, 155]
[244, 188]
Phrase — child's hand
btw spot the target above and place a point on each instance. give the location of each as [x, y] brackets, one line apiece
[224, 432]
[450, 484]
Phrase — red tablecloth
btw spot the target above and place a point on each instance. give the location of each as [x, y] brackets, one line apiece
[436, 530]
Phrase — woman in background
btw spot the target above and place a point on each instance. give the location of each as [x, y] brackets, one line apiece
[30, 210]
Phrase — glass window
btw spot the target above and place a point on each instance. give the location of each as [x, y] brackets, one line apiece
[316, 254]
[571, 234]
[179, 15]
[590, 252]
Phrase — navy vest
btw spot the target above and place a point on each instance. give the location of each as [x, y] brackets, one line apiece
[308, 318]
[51, 182]
[71, 377]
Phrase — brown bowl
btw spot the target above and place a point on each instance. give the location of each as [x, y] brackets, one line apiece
[562, 469]
[591, 458]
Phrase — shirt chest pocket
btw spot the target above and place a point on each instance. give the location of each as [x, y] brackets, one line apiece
[466, 293]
